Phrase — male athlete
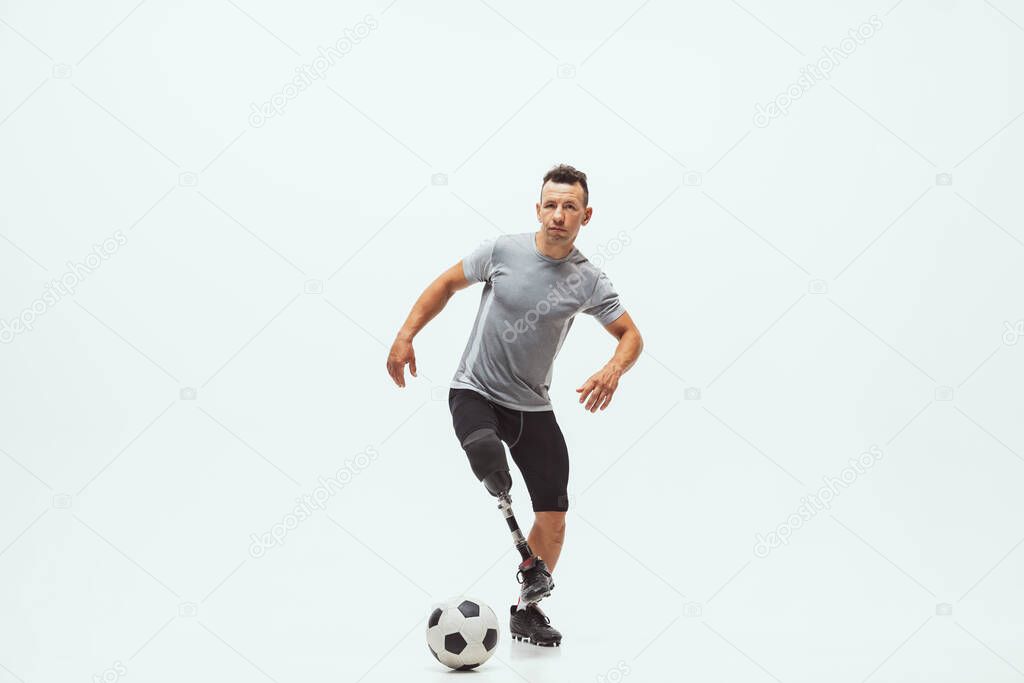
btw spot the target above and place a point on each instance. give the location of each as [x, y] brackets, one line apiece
[535, 284]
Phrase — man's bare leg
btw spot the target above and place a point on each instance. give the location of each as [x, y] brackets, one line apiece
[528, 623]
[547, 536]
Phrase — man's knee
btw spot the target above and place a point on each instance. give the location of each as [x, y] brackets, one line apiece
[552, 524]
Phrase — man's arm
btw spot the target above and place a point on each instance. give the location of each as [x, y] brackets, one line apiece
[603, 383]
[430, 303]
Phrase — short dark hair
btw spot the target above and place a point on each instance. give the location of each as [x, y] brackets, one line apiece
[564, 173]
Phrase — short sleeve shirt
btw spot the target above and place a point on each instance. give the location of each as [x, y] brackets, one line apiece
[526, 309]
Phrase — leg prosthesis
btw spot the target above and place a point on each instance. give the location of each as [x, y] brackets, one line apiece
[490, 465]
[487, 458]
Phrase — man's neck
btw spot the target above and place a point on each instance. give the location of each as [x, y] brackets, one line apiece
[556, 252]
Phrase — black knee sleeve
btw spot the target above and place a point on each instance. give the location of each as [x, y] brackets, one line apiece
[487, 459]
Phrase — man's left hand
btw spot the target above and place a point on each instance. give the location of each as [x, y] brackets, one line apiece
[597, 391]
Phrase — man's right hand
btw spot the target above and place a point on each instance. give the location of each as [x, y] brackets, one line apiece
[430, 303]
[400, 354]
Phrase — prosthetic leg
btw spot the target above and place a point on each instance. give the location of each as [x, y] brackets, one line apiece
[490, 465]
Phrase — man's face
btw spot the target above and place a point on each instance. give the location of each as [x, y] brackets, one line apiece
[561, 213]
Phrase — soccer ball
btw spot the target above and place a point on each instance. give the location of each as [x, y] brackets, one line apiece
[462, 633]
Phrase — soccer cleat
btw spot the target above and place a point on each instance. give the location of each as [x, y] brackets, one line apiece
[530, 625]
[533, 574]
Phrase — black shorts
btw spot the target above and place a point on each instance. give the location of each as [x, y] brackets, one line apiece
[534, 438]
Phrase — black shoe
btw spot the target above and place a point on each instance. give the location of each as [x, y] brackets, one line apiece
[536, 580]
[530, 625]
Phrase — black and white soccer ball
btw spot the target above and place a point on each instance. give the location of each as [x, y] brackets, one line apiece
[462, 633]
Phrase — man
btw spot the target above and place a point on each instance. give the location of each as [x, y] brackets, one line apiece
[535, 284]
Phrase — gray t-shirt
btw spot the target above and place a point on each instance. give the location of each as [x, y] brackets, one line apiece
[526, 309]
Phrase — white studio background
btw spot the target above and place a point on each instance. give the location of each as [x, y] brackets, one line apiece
[811, 285]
